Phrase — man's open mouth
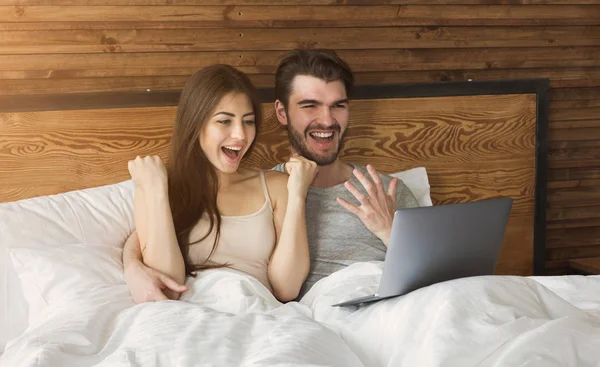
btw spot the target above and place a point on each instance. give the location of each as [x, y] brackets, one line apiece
[322, 137]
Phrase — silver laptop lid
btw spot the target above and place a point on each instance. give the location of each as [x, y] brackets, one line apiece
[438, 243]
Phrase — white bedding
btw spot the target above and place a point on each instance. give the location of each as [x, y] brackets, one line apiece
[88, 222]
[72, 302]
[229, 319]
[482, 321]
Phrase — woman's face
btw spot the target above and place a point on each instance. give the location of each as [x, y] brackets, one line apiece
[229, 132]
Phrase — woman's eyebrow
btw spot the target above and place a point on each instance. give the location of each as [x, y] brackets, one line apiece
[224, 113]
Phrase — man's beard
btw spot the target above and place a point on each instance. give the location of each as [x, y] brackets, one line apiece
[298, 142]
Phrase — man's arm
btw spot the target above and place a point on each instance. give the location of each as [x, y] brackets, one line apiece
[145, 284]
[404, 197]
[131, 251]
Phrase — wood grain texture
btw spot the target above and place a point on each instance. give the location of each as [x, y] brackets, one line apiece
[571, 124]
[574, 173]
[575, 133]
[573, 147]
[579, 239]
[296, 2]
[574, 197]
[227, 39]
[474, 147]
[56, 66]
[559, 77]
[557, 105]
[49, 152]
[290, 16]
[313, 23]
[575, 77]
[427, 70]
[567, 254]
[570, 94]
[577, 223]
[586, 266]
[572, 184]
[575, 113]
[88, 46]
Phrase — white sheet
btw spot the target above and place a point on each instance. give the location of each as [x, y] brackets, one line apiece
[228, 319]
[482, 321]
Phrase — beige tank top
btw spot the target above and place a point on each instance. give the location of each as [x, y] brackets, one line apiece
[245, 242]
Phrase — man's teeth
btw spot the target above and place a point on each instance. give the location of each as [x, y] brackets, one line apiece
[233, 148]
[322, 135]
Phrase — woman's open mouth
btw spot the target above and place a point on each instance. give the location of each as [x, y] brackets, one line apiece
[232, 153]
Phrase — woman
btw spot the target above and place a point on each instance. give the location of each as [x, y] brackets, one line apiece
[203, 210]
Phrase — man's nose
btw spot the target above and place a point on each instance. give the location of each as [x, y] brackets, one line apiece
[327, 118]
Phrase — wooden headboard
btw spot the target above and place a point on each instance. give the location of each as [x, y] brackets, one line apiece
[477, 140]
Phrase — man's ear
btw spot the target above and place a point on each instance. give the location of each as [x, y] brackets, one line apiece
[280, 113]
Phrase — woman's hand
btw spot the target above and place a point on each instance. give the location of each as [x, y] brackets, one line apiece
[149, 171]
[302, 172]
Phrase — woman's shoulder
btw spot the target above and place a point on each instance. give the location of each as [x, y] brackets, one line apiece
[275, 175]
[276, 179]
[277, 186]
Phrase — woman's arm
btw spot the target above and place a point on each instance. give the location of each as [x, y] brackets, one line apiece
[290, 261]
[153, 220]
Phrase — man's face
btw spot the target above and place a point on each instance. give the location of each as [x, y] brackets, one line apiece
[316, 118]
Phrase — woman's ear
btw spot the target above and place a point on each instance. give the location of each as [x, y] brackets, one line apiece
[280, 113]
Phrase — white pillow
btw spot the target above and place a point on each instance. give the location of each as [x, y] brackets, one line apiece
[59, 274]
[53, 226]
[418, 183]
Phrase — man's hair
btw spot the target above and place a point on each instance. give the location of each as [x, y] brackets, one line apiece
[320, 63]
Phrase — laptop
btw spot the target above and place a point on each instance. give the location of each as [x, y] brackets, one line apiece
[434, 244]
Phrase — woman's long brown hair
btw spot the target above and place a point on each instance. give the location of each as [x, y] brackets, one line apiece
[193, 181]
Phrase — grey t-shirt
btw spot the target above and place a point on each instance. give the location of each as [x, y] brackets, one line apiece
[336, 237]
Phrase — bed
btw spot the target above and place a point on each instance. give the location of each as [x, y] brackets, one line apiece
[66, 209]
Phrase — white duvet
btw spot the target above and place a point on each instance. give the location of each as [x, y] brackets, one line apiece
[229, 319]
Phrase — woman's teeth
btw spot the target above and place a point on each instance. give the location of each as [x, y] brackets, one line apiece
[231, 152]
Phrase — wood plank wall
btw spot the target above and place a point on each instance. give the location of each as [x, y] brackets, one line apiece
[81, 46]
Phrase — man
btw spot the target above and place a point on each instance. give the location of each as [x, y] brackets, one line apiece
[349, 211]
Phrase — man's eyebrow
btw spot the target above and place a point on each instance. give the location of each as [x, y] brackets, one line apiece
[310, 101]
[314, 101]
[345, 100]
